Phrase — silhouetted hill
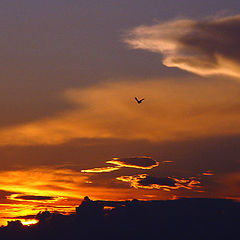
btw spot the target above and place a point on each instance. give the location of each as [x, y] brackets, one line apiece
[189, 218]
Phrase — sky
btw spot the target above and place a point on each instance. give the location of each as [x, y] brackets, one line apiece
[70, 126]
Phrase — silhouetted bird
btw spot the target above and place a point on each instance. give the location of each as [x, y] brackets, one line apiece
[139, 101]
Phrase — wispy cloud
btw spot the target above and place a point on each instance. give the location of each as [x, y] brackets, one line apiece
[206, 47]
[173, 110]
[135, 162]
[165, 183]
[100, 170]
[132, 162]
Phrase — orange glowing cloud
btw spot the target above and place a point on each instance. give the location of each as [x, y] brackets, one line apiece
[52, 185]
[206, 47]
[173, 110]
[25, 222]
[167, 183]
[28, 222]
[132, 162]
[100, 170]
[42, 182]
[135, 162]
[14, 212]
[208, 173]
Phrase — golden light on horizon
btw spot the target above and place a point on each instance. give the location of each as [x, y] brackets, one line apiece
[55, 183]
[25, 222]
[28, 222]
[52, 189]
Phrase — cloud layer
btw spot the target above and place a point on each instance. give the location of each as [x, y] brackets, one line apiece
[173, 110]
[203, 47]
[57, 186]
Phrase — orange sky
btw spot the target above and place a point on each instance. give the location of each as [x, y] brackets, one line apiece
[70, 126]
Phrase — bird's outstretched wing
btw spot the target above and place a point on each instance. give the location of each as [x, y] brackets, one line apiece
[139, 101]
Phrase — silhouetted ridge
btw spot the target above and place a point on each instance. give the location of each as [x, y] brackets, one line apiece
[188, 218]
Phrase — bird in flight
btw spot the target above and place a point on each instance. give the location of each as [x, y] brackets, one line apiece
[139, 101]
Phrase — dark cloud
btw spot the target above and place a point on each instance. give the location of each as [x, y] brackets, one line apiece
[216, 36]
[204, 47]
[31, 198]
[165, 183]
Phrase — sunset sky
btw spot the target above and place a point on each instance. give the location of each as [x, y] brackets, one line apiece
[70, 126]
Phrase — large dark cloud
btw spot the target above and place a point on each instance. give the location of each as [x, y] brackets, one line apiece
[204, 47]
[217, 36]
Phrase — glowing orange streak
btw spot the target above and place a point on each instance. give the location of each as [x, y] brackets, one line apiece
[28, 221]
[100, 170]
[121, 164]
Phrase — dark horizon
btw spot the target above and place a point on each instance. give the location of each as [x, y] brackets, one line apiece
[190, 218]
